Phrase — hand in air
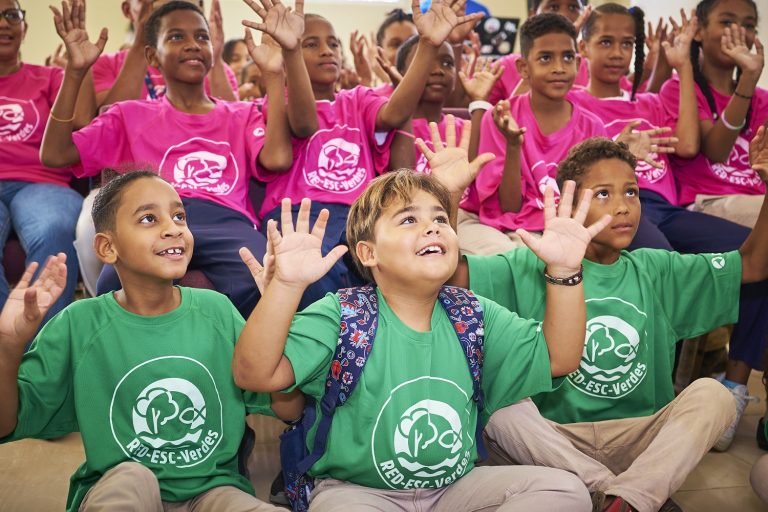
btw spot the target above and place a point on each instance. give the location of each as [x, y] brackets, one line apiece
[758, 153]
[439, 21]
[645, 144]
[734, 44]
[298, 260]
[481, 78]
[267, 56]
[507, 125]
[678, 52]
[565, 239]
[286, 26]
[70, 25]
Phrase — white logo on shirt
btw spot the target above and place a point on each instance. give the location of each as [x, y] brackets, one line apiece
[429, 446]
[611, 363]
[18, 119]
[545, 181]
[737, 170]
[333, 161]
[172, 421]
[718, 262]
[202, 165]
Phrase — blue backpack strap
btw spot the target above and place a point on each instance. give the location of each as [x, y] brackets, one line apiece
[466, 315]
[359, 320]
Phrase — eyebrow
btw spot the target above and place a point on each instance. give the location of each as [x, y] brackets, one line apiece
[734, 15]
[152, 206]
[412, 208]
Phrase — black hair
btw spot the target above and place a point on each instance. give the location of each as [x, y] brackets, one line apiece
[403, 51]
[107, 200]
[638, 16]
[584, 154]
[152, 26]
[541, 25]
[533, 5]
[393, 16]
[229, 49]
[703, 9]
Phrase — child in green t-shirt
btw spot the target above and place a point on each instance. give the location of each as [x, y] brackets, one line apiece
[615, 422]
[404, 440]
[143, 373]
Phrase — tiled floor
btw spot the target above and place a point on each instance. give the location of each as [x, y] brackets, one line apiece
[34, 475]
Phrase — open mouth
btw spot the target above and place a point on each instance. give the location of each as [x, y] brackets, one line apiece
[172, 252]
[431, 249]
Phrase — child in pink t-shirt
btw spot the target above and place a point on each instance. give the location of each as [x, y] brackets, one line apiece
[351, 145]
[207, 149]
[720, 179]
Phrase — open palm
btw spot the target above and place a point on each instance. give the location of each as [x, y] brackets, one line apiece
[267, 56]
[734, 44]
[679, 51]
[28, 302]
[438, 22]
[284, 25]
[70, 25]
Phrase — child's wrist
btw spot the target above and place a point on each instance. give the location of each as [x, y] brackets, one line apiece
[560, 273]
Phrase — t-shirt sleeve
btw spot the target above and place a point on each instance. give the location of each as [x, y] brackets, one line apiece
[516, 358]
[46, 398]
[698, 292]
[103, 143]
[255, 132]
[311, 344]
[512, 279]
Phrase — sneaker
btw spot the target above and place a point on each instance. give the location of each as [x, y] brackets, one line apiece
[619, 505]
[742, 397]
[670, 506]
[277, 491]
[762, 439]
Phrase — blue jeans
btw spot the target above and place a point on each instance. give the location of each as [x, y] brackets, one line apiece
[43, 216]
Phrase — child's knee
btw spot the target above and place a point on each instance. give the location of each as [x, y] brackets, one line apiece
[512, 418]
[134, 474]
[714, 396]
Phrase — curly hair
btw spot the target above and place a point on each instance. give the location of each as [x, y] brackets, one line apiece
[584, 154]
[152, 26]
[107, 200]
[541, 25]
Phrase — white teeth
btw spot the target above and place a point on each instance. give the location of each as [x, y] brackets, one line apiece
[172, 251]
[430, 250]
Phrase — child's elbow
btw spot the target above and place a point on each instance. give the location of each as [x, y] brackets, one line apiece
[276, 161]
[687, 149]
[560, 368]
[304, 129]
[49, 159]
[7, 427]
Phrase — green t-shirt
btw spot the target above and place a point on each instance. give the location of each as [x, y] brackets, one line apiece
[411, 420]
[155, 390]
[637, 309]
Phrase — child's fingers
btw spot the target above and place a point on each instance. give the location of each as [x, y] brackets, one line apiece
[31, 309]
[470, 18]
[532, 242]
[465, 135]
[274, 233]
[250, 261]
[302, 219]
[566, 199]
[549, 204]
[583, 207]
[101, 43]
[598, 226]
[335, 254]
[255, 26]
[428, 153]
[66, 16]
[477, 164]
[259, 10]
[629, 127]
[286, 218]
[318, 230]
[759, 47]
[26, 278]
[450, 131]
[434, 134]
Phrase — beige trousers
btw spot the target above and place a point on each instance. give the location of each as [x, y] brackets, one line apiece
[741, 209]
[758, 477]
[643, 460]
[130, 486]
[504, 488]
[479, 239]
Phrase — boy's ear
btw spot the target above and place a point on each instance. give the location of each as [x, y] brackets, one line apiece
[366, 254]
[150, 54]
[105, 248]
[522, 67]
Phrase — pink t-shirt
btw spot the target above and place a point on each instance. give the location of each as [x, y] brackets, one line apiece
[421, 130]
[108, 66]
[506, 84]
[26, 98]
[336, 163]
[385, 90]
[616, 113]
[699, 175]
[539, 158]
[210, 156]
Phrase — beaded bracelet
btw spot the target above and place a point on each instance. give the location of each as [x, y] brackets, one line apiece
[573, 280]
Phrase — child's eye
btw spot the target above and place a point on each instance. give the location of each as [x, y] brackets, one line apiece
[545, 58]
[441, 219]
[448, 63]
[147, 219]
[605, 42]
[569, 57]
[601, 194]
[408, 220]
[749, 27]
[310, 44]
[628, 44]
[180, 217]
[203, 37]
[333, 44]
[574, 8]
[632, 192]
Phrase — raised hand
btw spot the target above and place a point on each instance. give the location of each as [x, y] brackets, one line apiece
[267, 56]
[484, 74]
[582, 19]
[678, 52]
[28, 302]
[438, 22]
[646, 144]
[507, 125]
[358, 46]
[216, 22]
[565, 239]
[390, 69]
[262, 273]
[450, 163]
[297, 250]
[734, 44]
[283, 24]
[758, 153]
[58, 59]
[70, 25]
[462, 31]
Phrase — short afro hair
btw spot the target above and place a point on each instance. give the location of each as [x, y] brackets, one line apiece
[584, 154]
[541, 25]
[107, 200]
[152, 26]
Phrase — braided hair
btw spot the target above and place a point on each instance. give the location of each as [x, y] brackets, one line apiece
[703, 9]
[639, 16]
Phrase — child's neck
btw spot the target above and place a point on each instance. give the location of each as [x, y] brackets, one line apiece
[189, 98]
[413, 309]
[551, 114]
[324, 92]
[601, 254]
[147, 299]
[10, 66]
[719, 78]
[600, 89]
[430, 111]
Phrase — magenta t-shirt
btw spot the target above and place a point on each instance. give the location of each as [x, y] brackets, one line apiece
[26, 99]
[208, 156]
[385, 90]
[336, 163]
[107, 67]
[699, 175]
[539, 158]
[507, 82]
[647, 108]
[421, 130]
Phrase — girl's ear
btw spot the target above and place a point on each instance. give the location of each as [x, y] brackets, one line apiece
[582, 47]
[150, 54]
[522, 67]
[366, 253]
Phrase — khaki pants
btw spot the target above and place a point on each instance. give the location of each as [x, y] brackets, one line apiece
[479, 239]
[131, 486]
[643, 460]
[486, 488]
[741, 209]
[758, 477]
